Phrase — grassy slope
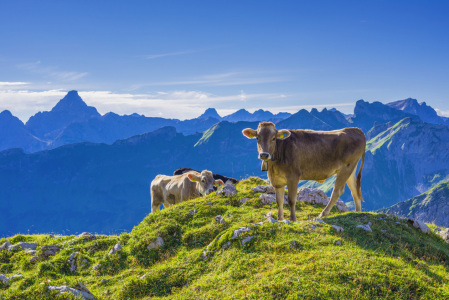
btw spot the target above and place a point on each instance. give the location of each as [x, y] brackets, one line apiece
[400, 263]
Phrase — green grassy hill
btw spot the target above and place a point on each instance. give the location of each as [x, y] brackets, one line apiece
[200, 260]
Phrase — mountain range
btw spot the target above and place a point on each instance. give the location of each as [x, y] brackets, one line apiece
[104, 186]
[73, 121]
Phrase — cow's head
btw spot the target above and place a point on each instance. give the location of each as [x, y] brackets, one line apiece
[205, 182]
[266, 135]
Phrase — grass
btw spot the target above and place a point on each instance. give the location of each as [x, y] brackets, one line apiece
[394, 261]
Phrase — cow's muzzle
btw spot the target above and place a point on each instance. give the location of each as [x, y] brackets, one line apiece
[264, 156]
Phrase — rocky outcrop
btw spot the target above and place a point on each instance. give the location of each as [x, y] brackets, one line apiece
[228, 190]
[157, 243]
[81, 290]
[317, 196]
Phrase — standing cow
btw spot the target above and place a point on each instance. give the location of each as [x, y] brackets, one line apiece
[170, 190]
[293, 155]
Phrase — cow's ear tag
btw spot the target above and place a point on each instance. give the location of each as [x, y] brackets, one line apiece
[264, 166]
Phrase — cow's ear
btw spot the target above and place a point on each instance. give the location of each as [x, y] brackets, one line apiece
[218, 182]
[193, 177]
[283, 134]
[249, 133]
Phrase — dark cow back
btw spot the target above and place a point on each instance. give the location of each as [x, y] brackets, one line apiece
[225, 179]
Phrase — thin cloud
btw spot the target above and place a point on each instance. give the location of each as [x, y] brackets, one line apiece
[160, 55]
[52, 72]
[7, 84]
[442, 113]
[221, 79]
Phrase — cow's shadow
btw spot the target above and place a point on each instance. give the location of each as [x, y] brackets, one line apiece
[392, 237]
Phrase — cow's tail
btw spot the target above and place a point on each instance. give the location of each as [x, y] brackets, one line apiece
[359, 179]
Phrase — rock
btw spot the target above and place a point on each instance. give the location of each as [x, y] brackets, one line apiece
[268, 214]
[65, 289]
[264, 189]
[104, 280]
[86, 236]
[239, 231]
[258, 224]
[32, 252]
[338, 228]
[420, 225]
[293, 244]
[364, 227]
[72, 261]
[271, 220]
[288, 222]
[313, 227]
[81, 287]
[5, 246]
[227, 245]
[228, 190]
[4, 279]
[243, 200]
[49, 250]
[157, 243]
[247, 239]
[97, 267]
[204, 255]
[117, 248]
[25, 246]
[192, 212]
[317, 196]
[271, 199]
[219, 219]
[445, 235]
[436, 230]
[208, 203]
[338, 243]
[320, 221]
[34, 259]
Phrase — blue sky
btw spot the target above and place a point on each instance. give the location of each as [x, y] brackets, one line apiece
[176, 58]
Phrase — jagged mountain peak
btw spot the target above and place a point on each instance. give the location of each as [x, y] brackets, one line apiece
[210, 113]
[72, 102]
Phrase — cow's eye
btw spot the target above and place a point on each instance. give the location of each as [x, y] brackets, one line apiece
[274, 139]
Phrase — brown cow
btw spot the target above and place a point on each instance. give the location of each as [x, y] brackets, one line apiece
[294, 155]
[170, 190]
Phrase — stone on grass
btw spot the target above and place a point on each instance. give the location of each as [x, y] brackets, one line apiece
[293, 244]
[338, 228]
[4, 279]
[247, 239]
[271, 220]
[219, 219]
[72, 261]
[365, 227]
[117, 248]
[157, 243]
[208, 203]
[48, 250]
[24, 246]
[97, 267]
[258, 224]
[239, 231]
[420, 225]
[338, 243]
[86, 236]
[5, 246]
[243, 200]
[285, 221]
[271, 199]
[228, 190]
[320, 221]
[445, 235]
[227, 245]
[65, 289]
[317, 196]
[264, 189]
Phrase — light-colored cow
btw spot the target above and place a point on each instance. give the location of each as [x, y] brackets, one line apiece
[170, 190]
[293, 155]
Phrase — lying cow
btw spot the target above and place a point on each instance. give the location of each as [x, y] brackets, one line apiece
[170, 190]
[225, 179]
[293, 155]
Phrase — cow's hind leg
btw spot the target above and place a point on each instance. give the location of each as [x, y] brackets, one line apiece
[292, 194]
[352, 184]
[155, 200]
[339, 189]
[279, 193]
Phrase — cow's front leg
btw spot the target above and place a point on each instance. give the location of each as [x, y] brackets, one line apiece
[292, 191]
[279, 193]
